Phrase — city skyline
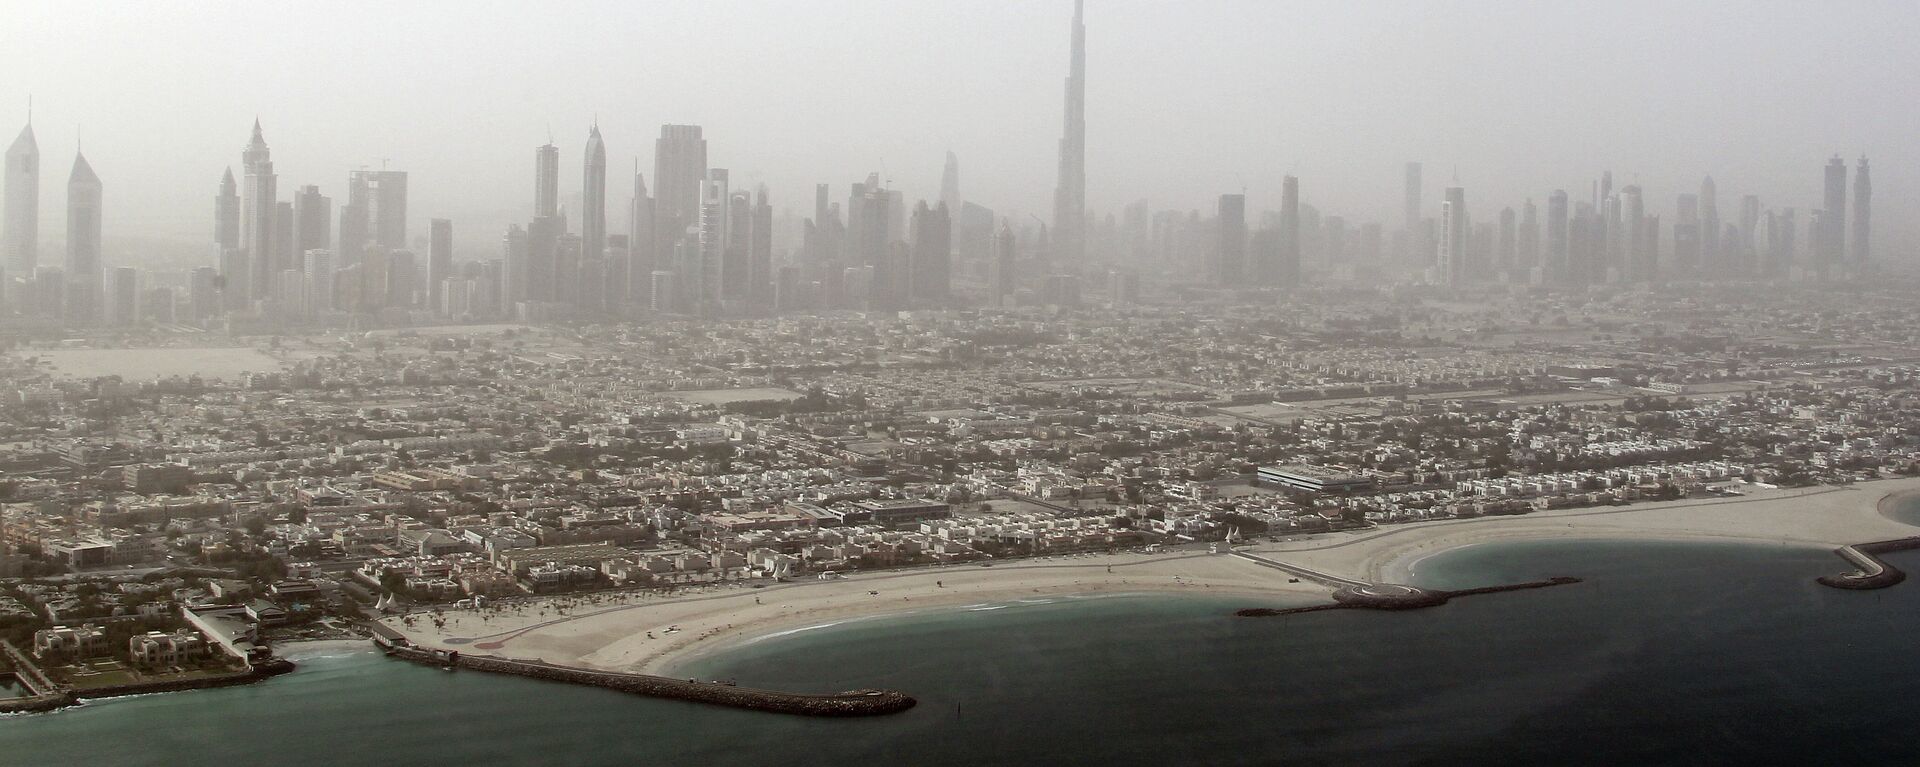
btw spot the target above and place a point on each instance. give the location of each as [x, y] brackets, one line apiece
[1012, 155]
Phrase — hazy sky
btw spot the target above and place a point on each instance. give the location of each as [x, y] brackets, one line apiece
[1186, 100]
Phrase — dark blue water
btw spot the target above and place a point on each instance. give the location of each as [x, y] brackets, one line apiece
[1668, 654]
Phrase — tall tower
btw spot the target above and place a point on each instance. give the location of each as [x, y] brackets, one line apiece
[312, 223]
[226, 213]
[546, 181]
[1833, 222]
[439, 262]
[1452, 265]
[1230, 255]
[256, 214]
[1637, 262]
[1411, 203]
[1070, 194]
[21, 242]
[83, 243]
[1862, 216]
[949, 185]
[679, 173]
[640, 253]
[1287, 270]
[593, 221]
[705, 281]
[1713, 252]
[1556, 269]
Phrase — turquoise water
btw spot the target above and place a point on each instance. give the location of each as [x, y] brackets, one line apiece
[1667, 654]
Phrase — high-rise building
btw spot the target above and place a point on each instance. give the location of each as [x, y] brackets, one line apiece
[735, 273]
[679, 174]
[593, 195]
[515, 269]
[760, 250]
[1862, 247]
[1411, 201]
[1833, 220]
[1635, 257]
[439, 261]
[1506, 247]
[226, 214]
[1713, 255]
[1529, 246]
[123, 297]
[352, 245]
[386, 207]
[546, 180]
[1451, 268]
[312, 220]
[1001, 273]
[641, 257]
[950, 185]
[1687, 235]
[283, 235]
[1230, 254]
[714, 201]
[83, 243]
[1749, 248]
[931, 259]
[1286, 270]
[257, 206]
[1556, 267]
[1070, 194]
[21, 234]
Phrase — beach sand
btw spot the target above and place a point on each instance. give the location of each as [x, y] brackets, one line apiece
[654, 633]
[1822, 517]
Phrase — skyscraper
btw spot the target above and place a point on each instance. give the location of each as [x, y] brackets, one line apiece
[593, 195]
[22, 226]
[312, 221]
[641, 257]
[1557, 268]
[1411, 202]
[1862, 247]
[931, 264]
[546, 180]
[226, 214]
[386, 206]
[1636, 260]
[1070, 194]
[83, 243]
[1230, 255]
[257, 206]
[760, 250]
[1713, 255]
[1833, 222]
[1451, 268]
[705, 287]
[950, 185]
[439, 262]
[1529, 247]
[1286, 270]
[679, 172]
[123, 297]
[1001, 276]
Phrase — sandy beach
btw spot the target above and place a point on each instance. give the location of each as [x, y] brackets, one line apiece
[1822, 517]
[653, 633]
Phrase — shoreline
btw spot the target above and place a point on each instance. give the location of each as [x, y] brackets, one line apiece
[666, 635]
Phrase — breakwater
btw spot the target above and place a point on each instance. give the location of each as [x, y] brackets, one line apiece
[1396, 597]
[1871, 572]
[845, 704]
[47, 695]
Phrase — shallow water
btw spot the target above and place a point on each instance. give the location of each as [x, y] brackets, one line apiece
[1667, 654]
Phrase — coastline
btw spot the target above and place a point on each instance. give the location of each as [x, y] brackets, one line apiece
[664, 634]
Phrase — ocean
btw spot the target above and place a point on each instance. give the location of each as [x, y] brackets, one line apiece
[1666, 654]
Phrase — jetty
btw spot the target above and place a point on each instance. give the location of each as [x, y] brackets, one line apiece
[845, 704]
[1870, 571]
[1352, 593]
